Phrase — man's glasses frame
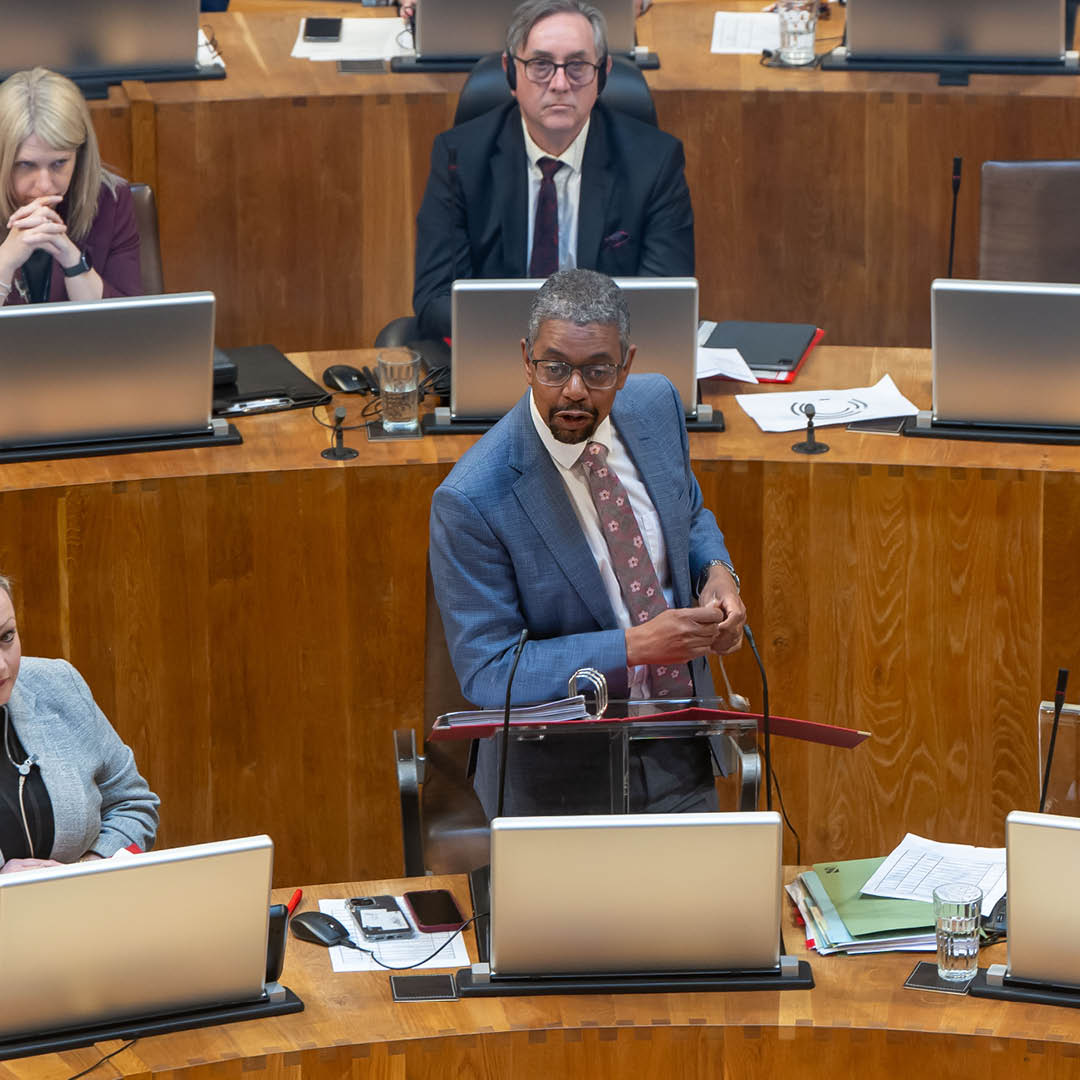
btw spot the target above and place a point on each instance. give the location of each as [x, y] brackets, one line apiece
[596, 376]
[540, 70]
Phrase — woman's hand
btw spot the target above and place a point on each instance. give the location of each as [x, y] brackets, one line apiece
[13, 866]
[36, 227]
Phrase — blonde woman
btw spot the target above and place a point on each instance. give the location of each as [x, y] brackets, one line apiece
[68, 224]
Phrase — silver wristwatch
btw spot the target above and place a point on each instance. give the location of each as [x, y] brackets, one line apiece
[704, 575]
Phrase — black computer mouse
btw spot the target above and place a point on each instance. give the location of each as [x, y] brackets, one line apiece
[346, 378]
[319, 928]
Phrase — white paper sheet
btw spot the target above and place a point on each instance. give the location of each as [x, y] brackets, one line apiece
[394, 953]
[745, 32]
[361, 39]
[786, 411]
[918, 866]
[726, 362]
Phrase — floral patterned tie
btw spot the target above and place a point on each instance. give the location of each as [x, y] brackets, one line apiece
[633, 566]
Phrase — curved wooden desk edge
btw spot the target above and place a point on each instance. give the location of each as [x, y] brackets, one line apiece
[857, 1012]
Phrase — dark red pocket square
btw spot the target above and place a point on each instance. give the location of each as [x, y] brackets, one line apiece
[616, 239]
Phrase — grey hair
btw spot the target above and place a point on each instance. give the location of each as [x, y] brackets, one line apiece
[5, 584]
[528, 14]
[581, 297]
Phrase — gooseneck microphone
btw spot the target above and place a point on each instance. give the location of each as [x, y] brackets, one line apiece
[957, 165]
[1059, 702]
[524, 636]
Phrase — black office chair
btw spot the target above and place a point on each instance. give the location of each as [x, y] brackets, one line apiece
[485, 89]
[1029, 229]
[443, 826]
[146, 222]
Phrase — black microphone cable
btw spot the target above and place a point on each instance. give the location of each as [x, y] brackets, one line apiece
[770, 779]
[1059, 702]
[957, 165]
[522, 638]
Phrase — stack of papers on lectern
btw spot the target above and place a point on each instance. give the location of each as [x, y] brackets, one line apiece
[839, 918]
[548, 712]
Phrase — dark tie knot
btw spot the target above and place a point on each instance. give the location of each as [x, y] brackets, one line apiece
[549, 167]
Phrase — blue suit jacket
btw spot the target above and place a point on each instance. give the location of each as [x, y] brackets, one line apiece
[507, 552]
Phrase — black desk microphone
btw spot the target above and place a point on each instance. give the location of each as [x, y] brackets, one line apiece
[506, 719]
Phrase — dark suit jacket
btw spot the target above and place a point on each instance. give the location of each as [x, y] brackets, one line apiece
[634, 217]
[507, 551]
[111, 247]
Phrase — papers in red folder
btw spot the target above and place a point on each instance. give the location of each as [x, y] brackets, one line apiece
[483, 723]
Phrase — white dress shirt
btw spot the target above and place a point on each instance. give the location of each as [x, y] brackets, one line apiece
[567, 458]
[567, 191]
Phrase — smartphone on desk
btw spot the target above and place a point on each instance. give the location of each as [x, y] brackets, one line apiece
[434, 910]
[379, 918]
[319, 29]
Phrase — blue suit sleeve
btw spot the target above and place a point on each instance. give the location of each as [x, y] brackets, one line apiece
[480, 601]
[706, 540]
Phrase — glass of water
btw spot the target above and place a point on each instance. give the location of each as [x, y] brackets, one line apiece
[957, 908]
[798, 21]
[399, 377]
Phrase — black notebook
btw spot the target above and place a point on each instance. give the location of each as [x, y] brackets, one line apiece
[768, 347]
[267, 380]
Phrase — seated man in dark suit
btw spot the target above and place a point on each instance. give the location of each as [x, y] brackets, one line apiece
[578, 517]
[552, 180]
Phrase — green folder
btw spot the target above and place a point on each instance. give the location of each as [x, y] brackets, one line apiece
[869, 914]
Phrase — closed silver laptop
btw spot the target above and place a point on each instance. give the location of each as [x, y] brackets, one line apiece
[106, 369]
[1043, 852]
[83, 38]
[469, 29]
[989, 30]
[635, 893]
[1006, 353]
[119, 939]
[489, 317]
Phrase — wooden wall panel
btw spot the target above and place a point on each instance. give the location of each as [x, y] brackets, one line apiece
[255, 639]
[890, 600]
[299, 213]
[112, 125]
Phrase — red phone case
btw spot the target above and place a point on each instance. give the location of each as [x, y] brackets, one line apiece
[431, 928]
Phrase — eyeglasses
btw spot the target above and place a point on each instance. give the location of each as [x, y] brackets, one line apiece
[594, 376]
[542, 71]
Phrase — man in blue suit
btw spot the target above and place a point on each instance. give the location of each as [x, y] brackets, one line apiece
[525, 534]
[553, 179]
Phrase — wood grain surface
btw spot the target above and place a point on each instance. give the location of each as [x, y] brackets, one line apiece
[251, 618]
[292, 190]
[857, 1019]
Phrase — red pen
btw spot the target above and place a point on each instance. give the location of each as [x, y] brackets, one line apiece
[291, 905]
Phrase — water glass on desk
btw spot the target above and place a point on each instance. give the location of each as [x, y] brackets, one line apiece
[798, 21]
[399, 377]
[957, 908]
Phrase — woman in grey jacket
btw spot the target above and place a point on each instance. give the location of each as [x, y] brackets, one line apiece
[69, 788]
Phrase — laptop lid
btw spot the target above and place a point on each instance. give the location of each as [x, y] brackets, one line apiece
[985, 30]
[103, 369]
[121, 938]
[451, 30]
[82, 39]
[1006, 353]
[626, 893]
[489, 317]
[1043, 852]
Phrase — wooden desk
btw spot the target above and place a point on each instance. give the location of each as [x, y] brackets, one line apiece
[251, 618]
[858, 1020]
[292, 191]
